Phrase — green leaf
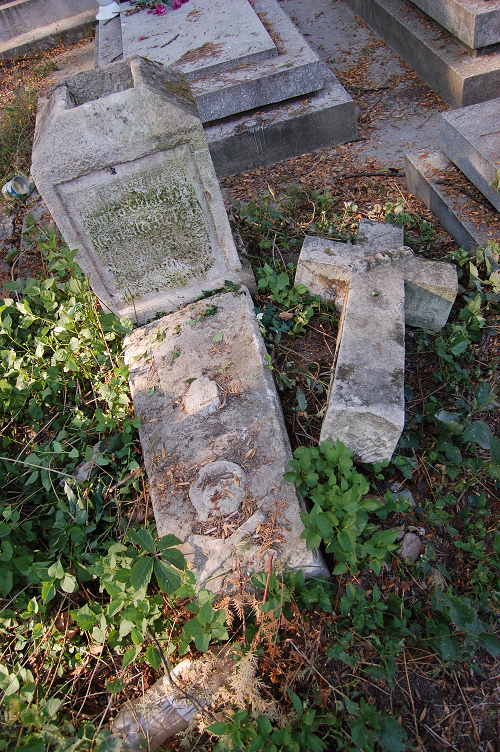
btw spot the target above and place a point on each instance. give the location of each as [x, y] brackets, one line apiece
[202, 641]
[142, 538]
[478, 432]
[495, 449]
[48, 591]
[218, 728]
[174, 557]
[167, 541]
[153, 657]
[141, 572]
[341, 568]
[392, 735]
[168, 579]
[491, 642]
[129, 656]
[218, 336]
[69, 583]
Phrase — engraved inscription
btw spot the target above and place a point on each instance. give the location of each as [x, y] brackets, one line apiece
[149, 230]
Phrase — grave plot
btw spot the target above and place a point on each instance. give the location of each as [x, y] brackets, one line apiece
[378, 285]
[262, 61]
[470, 140]
[121, 159]
[214, 441]
[460, 74]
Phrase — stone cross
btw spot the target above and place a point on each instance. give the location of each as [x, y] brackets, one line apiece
[377, 285]
[121, 159]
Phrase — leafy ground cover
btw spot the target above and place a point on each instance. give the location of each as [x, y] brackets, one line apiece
[387, 656]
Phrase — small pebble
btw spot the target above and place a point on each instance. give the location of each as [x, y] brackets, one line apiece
[410, 547]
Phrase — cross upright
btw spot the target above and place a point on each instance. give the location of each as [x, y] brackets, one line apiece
[377, 285]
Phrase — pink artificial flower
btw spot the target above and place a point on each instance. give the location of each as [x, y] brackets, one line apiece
[160, 9]
[176, 4]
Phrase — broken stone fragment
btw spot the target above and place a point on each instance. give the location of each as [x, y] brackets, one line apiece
[166, 708]
[202, 395]
[410, 547]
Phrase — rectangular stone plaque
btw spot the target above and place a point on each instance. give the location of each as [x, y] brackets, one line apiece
[201, 37]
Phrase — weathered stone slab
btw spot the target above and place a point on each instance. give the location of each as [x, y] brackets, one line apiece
[376, 289]
[295, 71]
[474, 22]
[214, 440]
[121, 159]
[470, 137]
[442, 63]
[422, 179]
[201, 37]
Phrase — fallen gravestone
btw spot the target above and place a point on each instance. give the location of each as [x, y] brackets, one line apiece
[377, 285]
[121, 159]
[214, 441]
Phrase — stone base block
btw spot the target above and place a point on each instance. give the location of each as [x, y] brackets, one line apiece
[286, 130]
[476, 24]
[458, 77]
[423, 172]
[296, 69]
[470, 137]
[215, 443]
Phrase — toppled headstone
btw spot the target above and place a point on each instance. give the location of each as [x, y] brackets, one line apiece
[216, 475]
[121, 159]
[377, 285]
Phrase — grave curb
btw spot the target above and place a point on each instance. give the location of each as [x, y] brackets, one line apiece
[444, 70]
[68, 31]
[421, 185]
[466, 154]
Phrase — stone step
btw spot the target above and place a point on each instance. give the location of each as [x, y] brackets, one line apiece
[296, 70]
[470, 224]
[473, 22]
[67, 31]
[470, 137]
[283, 131]
[460, 78]
[19, 17]
[215, 443]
